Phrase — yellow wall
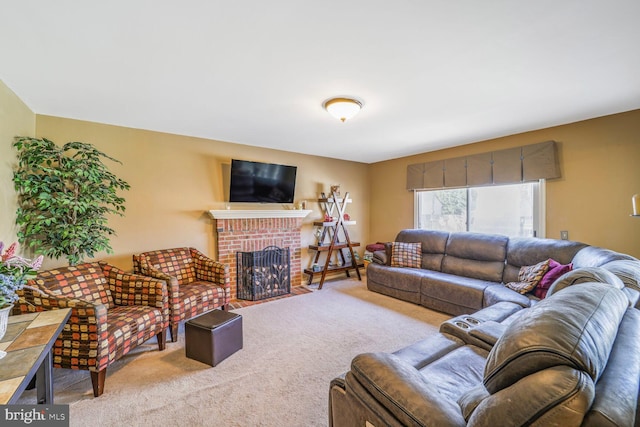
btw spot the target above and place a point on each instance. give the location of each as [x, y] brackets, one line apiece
[600, 164]
[16, 119]
[176, 179]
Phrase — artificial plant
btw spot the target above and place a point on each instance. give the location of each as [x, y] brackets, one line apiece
[65, 195]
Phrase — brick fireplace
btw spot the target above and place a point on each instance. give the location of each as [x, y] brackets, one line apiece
[253, 230]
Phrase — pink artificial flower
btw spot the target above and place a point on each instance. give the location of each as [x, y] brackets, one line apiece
[37, 263]
[10, 251]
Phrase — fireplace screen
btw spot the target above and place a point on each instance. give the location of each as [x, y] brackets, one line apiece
[263, 274]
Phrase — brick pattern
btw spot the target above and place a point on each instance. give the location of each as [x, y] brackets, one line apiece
[254, 234]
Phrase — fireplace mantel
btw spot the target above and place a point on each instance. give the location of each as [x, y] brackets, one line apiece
[258, 213]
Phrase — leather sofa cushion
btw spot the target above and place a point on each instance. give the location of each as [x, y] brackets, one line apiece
[479, 246]
[577, 327]
[628, 271]
[475, 255]
[463, 291]
[585, 275]
[433, 245]
[616, 391]
[593, 256]
[398, 282]
[523, 251]
[557, 396]
[420, 397]
[428, 350]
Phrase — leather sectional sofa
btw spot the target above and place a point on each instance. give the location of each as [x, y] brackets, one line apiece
[505, 359]
[464, 272]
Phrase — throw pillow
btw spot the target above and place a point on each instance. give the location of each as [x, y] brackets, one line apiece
[529, 277]
[406, 254]
[555, 271]
[372, 247]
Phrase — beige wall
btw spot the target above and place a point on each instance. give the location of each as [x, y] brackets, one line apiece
[16, 119]
[600, 163]
[176, 179]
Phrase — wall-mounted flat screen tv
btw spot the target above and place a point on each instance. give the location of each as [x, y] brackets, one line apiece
[261, 182]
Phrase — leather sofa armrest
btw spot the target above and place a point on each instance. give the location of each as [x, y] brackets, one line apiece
[480, 333]
[380, 257]
[498, 292]
[403, 391]
[488, 332]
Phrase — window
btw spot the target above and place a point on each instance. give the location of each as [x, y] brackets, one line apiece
[512, 210]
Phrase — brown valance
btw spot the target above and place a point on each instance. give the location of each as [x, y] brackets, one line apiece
[513, 165]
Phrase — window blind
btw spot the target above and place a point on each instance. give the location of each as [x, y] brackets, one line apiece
[519, 164]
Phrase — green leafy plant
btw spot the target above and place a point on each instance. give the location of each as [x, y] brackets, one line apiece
[65, 195]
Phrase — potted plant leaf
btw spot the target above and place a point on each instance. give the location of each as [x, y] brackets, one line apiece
[65, 195]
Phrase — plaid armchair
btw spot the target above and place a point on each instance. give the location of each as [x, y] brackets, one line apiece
[112, 312]
[197, 284]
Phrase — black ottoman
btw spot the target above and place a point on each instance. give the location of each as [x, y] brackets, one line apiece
[213, 336]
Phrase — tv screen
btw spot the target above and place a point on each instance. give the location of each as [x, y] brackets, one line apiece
[261, 182]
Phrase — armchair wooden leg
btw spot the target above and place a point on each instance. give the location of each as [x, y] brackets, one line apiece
[162, 339]
[97, 381]
[173, 331]
[225, 307]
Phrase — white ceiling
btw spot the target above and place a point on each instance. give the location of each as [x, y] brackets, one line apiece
[431, 73]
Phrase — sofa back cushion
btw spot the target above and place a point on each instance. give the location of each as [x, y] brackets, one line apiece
[593, 256]
[84, 281]
[585, 275]
[175, 262]
[475, 255]
[523, 251]
[575, 327]
[433, 245]
[627, 270]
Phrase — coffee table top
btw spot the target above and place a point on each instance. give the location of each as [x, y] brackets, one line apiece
[28, 339]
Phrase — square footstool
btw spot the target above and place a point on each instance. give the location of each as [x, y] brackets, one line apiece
[213, 336]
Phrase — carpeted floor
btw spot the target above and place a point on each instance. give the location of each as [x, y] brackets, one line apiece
[293, 347]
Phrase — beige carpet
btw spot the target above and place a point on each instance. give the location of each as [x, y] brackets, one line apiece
[292, 349]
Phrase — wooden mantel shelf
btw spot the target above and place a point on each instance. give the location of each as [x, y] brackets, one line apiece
[259, 213]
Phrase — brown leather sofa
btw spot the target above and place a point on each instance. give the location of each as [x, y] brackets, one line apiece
[571, 359]
[465, 272]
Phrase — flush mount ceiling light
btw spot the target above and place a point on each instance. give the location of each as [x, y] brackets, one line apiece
[342, 108]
